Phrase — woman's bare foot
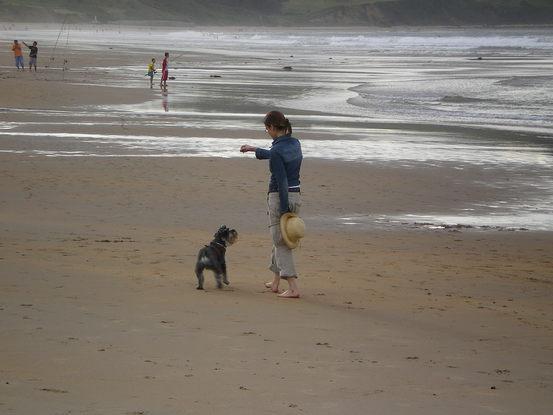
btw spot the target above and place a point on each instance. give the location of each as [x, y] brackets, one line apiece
[292, 291]
[270, 285]
[273, 285]
[289, 294]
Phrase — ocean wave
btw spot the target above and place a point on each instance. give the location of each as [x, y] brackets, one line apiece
[527, 81]
[397, 41]
[458, 99]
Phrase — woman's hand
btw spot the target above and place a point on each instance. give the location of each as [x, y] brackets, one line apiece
[245, 148]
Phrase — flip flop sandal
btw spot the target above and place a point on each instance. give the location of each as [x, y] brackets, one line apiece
[288, 296]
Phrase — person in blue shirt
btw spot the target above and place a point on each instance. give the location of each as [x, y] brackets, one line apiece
[285, 157]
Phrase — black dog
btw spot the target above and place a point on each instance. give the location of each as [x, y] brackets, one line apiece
[212, 257]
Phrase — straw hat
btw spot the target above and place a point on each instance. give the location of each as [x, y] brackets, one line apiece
[292, 228]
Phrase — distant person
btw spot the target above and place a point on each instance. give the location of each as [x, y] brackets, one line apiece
[18, 54]
[283, 200]
[164, 71]
[152, 71]
[33, 54]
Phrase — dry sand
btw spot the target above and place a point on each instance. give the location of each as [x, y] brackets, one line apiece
[99, 312]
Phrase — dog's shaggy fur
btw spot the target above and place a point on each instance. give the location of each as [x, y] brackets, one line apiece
[212, 257]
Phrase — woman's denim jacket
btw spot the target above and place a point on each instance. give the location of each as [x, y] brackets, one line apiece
[285, 159]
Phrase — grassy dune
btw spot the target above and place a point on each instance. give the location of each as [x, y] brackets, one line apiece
[286, 12]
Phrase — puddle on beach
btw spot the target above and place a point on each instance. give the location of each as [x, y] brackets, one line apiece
[363, 145]
[519, 221]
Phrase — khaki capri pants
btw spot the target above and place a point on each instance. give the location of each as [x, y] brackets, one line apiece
[282, 259]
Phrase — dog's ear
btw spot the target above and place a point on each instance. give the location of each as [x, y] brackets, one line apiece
[221, 231]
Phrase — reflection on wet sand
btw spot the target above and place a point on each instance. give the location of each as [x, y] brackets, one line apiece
[165, 100]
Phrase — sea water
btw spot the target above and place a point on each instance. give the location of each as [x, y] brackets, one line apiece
[472, 97]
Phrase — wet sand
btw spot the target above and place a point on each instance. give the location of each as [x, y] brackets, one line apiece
[99, 311]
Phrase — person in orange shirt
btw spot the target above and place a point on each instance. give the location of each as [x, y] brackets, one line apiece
[16, 48]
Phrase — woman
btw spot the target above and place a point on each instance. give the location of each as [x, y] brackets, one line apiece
[164, 71]
[285, 159]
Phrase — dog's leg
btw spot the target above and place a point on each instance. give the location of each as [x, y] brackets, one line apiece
[200, 276]
[218, 278]
[225, 277]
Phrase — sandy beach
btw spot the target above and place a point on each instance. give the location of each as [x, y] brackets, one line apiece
[99, 313]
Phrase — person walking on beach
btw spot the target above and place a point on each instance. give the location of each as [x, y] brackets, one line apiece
[18, 54]
[33, 54]
[152, 71]
[164, 71]
[285, 157]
